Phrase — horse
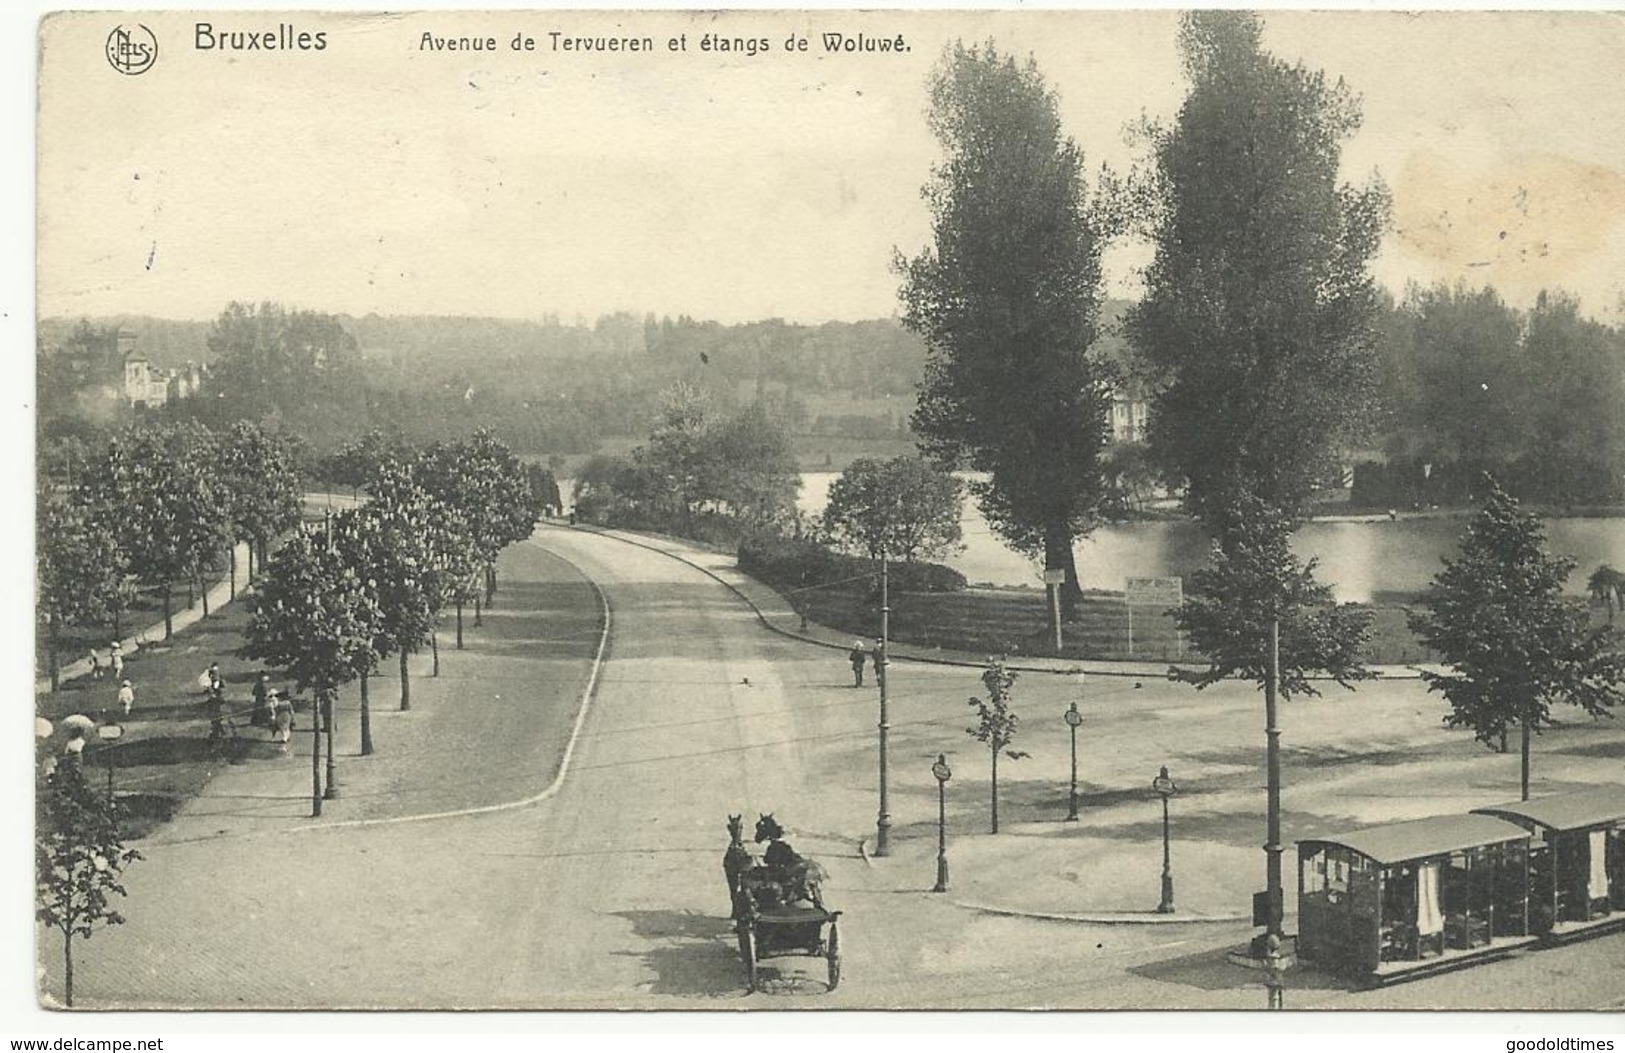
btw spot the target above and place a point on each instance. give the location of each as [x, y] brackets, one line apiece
[737, 860]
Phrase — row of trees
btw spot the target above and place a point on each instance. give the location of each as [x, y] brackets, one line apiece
[1471, 385]
[340, 597]
[161, 505]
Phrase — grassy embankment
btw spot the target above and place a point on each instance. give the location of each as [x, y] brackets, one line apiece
[1016, 621]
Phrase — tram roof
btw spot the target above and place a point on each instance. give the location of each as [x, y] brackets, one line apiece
[1421, 838]
[1566, 811]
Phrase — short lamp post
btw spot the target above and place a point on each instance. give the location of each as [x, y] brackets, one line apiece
[1165, 788]
[943, 773]
[1073, 719]
[109, 733]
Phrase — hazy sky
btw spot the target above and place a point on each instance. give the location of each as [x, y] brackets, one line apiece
[374, 176]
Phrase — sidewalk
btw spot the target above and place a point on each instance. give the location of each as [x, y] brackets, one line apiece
[776, 614]
[218, 596]
[487, 732]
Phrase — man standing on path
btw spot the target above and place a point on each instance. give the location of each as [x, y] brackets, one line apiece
[857, 658]
[262, 716]
[115, 657]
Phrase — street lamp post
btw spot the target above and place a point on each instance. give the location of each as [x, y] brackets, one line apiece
[883, 820]
[109, 733]
[1073, 719]
[326, 713]
[943, 773]
[1165, 788]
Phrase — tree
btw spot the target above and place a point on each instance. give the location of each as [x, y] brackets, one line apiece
[168, 504]
[1256, 331]
[79, 859]
[1257, 322]
[84, 576]
[485, 484]
[1007, 299]
[315, 615]
[902, 507]
[1253, 581]
[996, 724]
[1496, 614]
[258, 470]
[748, 469]
[299, 366]
[1607, 586]
[409, 544]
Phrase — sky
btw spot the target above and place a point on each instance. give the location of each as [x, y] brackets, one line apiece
[376, 176]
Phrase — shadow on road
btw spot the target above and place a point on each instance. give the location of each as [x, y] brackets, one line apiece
[692, 954]
[1210, 971]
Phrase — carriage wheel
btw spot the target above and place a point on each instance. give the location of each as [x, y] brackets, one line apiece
[748, 952]
[834, 954]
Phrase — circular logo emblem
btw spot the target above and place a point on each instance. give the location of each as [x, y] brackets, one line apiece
[132, 49]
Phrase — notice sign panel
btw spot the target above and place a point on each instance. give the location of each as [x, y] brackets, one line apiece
[1154, 592]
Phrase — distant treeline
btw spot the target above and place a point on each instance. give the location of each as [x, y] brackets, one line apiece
[1465, 384]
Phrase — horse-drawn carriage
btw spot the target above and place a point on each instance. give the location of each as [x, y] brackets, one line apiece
[778, 903]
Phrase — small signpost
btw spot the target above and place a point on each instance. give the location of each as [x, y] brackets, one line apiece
[1161, 593]
[1053, 580]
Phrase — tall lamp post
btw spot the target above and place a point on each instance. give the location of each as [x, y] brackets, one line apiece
[109, 733]
[1073, 719]
[943, 773]
[883, 820]
[1165, 788]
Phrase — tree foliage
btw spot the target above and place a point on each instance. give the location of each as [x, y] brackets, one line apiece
[1007, 299]
[84, 577]
[1497, 616]
[903, 507]
[1253, 580]
[258, 471]
[79, 860]
[167, 502]
[314, 613]
[1256, 326]
[300, 367]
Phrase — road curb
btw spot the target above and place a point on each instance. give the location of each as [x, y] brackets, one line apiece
[1127, 917]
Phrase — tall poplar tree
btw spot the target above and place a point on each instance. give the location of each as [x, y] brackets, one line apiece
[1007, 299]
[1258, 319]
[1257, 331]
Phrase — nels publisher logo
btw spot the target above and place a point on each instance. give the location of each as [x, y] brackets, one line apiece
[132, 49]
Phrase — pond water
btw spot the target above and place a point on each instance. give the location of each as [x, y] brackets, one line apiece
[1359, 559]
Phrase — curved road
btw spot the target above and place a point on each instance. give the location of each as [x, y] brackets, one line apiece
[610, 893]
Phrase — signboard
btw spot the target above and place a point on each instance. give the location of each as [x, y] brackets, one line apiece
[1154, 592]
[1055, 577]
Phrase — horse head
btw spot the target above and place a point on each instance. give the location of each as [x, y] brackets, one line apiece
[736, 829]
[768, 828]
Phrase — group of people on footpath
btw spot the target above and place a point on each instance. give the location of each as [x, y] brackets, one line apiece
[860, 655]
[115, 662]
[269, 710]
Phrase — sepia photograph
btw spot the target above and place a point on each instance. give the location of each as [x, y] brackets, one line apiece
[806, 510]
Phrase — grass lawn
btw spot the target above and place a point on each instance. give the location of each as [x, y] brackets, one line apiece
[1016, 621]
[164, 756]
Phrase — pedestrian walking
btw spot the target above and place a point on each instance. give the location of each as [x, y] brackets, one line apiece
[126, 696]
[857, 657]
[74, 751]
[282, 720]
[880, 661]
[95, 665]
[115, 658]
[261, 717]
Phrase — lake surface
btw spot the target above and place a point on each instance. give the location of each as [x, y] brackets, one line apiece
[1358, 559]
